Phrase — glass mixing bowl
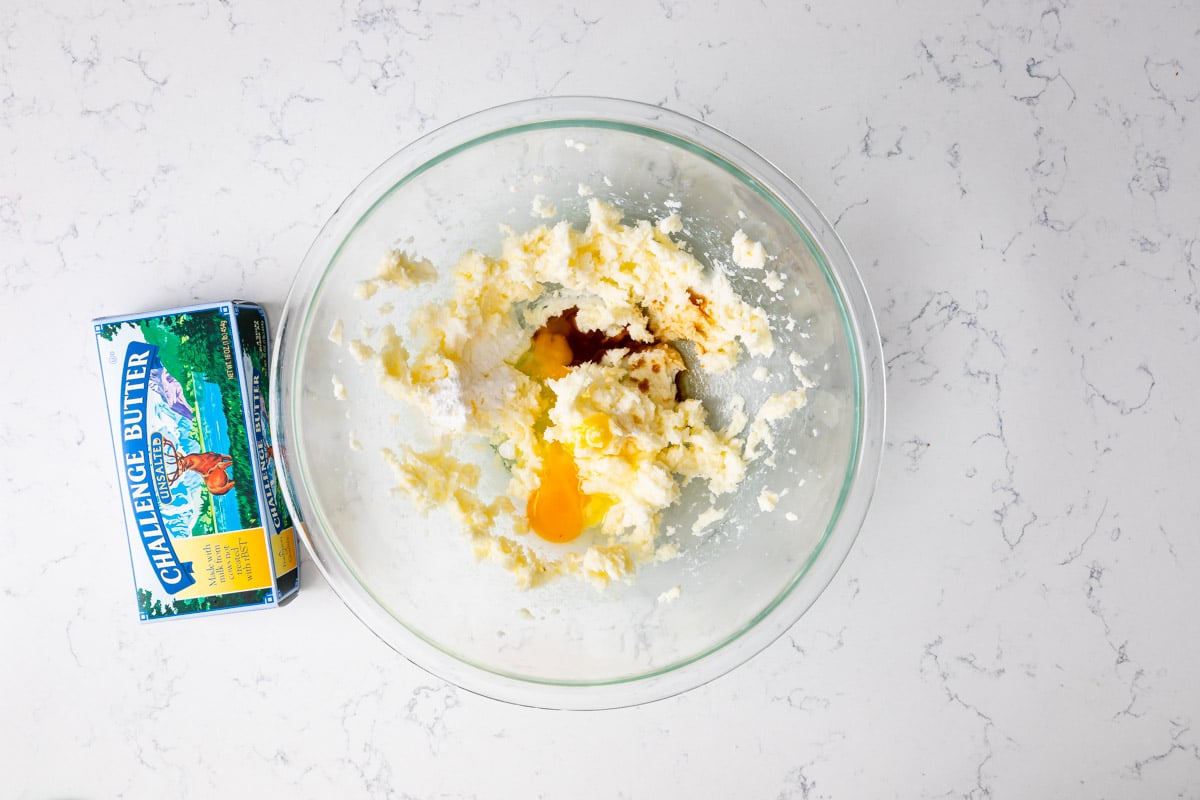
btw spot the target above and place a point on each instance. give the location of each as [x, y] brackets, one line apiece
[412, 578]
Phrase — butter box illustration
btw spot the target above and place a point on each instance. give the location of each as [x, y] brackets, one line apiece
[187, 404]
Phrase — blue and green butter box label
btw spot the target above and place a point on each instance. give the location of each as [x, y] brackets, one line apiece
[187, 397]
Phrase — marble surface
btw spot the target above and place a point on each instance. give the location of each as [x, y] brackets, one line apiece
[1019, 184]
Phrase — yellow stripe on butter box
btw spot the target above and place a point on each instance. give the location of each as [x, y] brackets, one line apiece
[283, 545]
[226, 562]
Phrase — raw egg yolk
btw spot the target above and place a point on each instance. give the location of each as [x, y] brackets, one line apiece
[596, 507]
[549, 357]
[556, 507]
[596, 432]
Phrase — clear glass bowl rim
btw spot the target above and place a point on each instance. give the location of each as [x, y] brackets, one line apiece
[858, 322]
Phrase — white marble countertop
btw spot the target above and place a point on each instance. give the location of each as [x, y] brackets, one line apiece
[1020, 185]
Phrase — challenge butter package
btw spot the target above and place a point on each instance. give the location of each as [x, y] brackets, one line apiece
[187, 404]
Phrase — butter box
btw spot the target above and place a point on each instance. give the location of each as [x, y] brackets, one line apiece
[187, 399]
